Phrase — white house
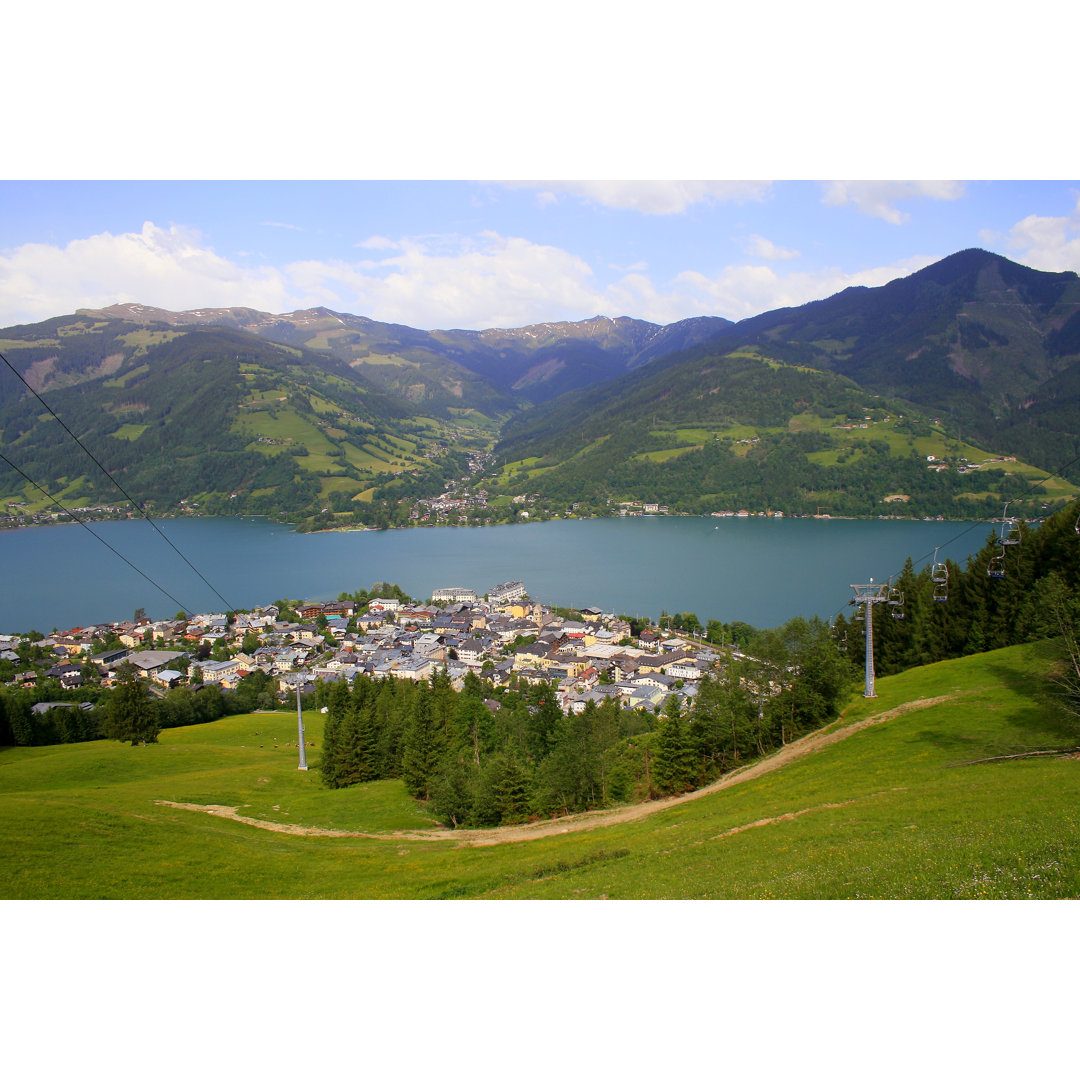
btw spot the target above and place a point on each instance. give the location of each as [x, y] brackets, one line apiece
[380, 605]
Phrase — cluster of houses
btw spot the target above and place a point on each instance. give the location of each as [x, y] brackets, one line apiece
[457, 500]
[450, 505]
[503, 637]
[16, 515]
[962, 464]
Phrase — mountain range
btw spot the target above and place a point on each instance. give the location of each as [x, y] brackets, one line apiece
[491, 368]
[335, 418]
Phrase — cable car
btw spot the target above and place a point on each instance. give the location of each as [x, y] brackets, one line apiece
[939, 575]
[939, 572]
[996, 567]
[1010, 529]
[896, 603]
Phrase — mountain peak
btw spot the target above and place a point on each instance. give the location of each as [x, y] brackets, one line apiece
[970, 262]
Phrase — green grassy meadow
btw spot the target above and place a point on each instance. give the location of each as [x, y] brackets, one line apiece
[891, 812]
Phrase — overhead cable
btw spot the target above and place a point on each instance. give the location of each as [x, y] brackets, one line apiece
[113, 480]
[78, 520]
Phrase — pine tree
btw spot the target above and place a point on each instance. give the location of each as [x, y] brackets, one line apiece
[443, 701]
[359, 746]
[673, 763]
[453, 793]
[568, 779]
[473, 727]
[367, 742]
[708, 721]
[605, 734]
[723, 718]
[392, 700]
[130, 715]
[423, 745]
[332, 760]
[541, 726]
[19, 717]
[512, 789]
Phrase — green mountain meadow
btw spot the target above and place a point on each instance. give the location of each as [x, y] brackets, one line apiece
[913, 795]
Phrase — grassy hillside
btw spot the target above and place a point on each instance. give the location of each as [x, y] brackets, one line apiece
[887, 809]
[744, 431]
[217, 421]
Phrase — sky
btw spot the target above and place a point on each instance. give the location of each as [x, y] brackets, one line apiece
[478, 253]
[431, 165]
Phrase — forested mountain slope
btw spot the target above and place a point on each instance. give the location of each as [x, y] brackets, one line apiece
[742, 431]
[979, 356]
[209, 420]
[982, 341]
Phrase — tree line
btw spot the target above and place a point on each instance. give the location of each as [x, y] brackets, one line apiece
[777, 473]
[128, 711]
[482, 757]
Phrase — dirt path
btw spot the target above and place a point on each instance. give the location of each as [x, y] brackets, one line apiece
[593, 819]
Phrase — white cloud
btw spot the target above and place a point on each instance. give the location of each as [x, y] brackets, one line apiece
[432, 281]
[762, 248]
[440, 281]
[649, 196]
[162, 267]
[1048, 243]
[377, 242]
[877, 198]
[449, 282]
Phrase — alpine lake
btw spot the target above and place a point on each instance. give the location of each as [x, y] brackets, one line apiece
[758, 570]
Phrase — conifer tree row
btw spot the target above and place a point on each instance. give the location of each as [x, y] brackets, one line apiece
[982, 612]
[478, 766]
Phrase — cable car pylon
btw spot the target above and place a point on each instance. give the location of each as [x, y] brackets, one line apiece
[869, 595]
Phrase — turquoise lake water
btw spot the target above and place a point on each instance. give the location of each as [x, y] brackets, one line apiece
[759, 570]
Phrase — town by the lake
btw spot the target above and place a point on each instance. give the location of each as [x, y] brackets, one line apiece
[505, 637]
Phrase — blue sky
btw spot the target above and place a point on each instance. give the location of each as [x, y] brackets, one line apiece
[441, 254]
[384, 162]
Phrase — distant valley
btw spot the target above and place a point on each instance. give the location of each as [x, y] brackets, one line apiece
[948, 392]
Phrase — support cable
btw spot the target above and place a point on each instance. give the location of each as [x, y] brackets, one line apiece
[228, 606]
[79, 521]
